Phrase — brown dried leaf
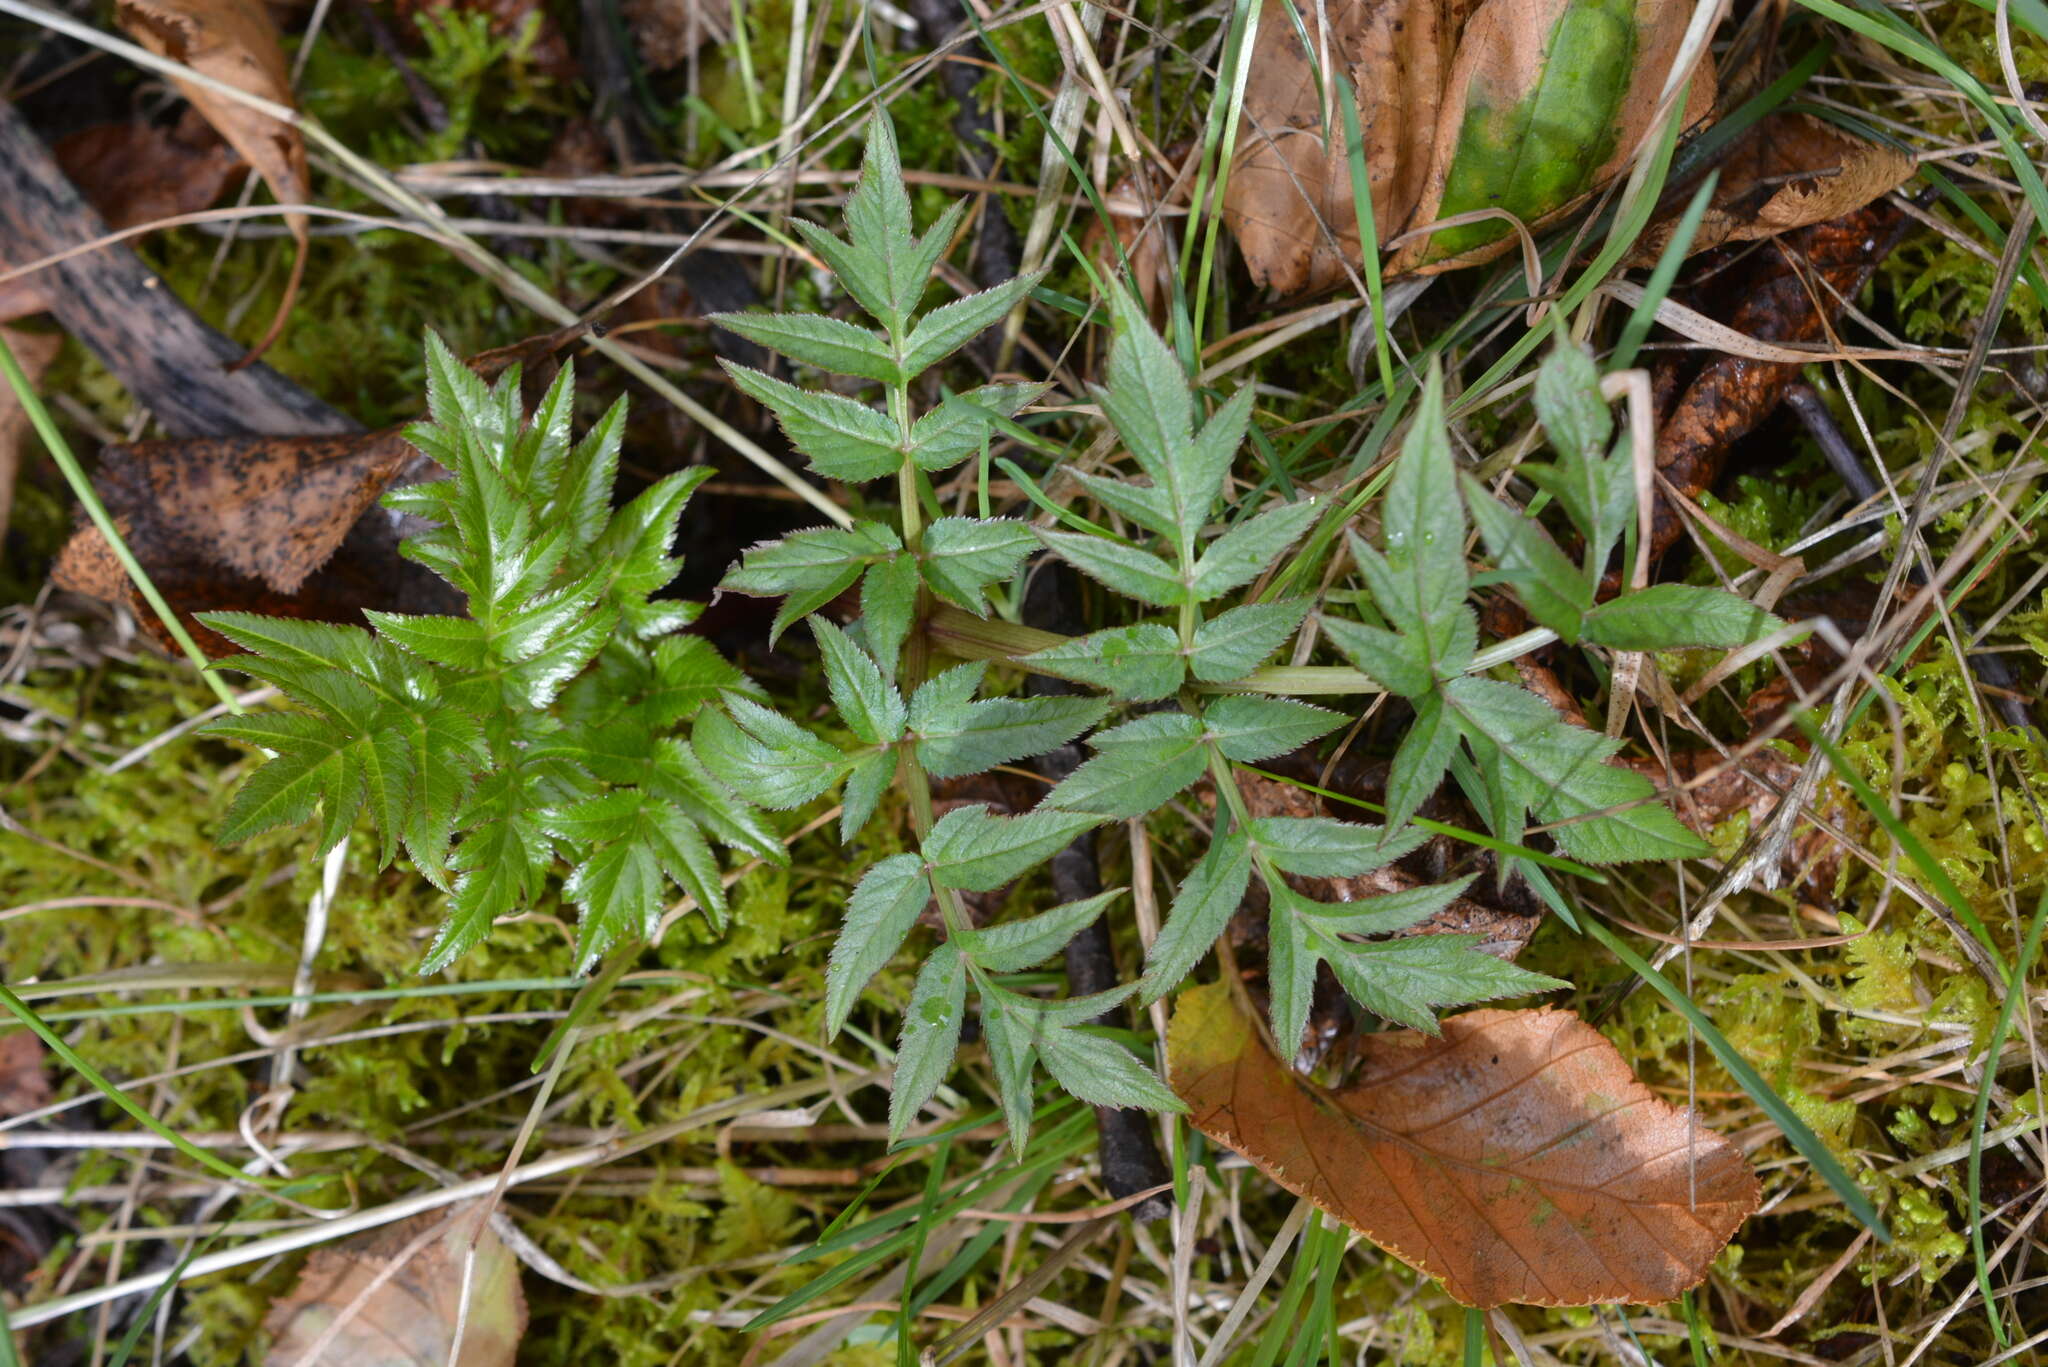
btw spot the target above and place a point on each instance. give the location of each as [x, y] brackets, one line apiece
[248, 523]
[1791, 290]
[237, 43]
[132, 173]
[33, 351]
[136, 173]
[401, 1289]
[1789, 171]
[1514, 1159]
[1289, 199]
[1504, 55]
[1430, 78]
[1144, 207]
[670, 31]
[23, 1085]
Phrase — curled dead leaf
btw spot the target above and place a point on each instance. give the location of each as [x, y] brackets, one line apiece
[1789, 171]
[1792, 290]
[136, 173]
[251, 523]
[1515, 1158]
[1526, 106]
[392, 1298]
[132, 173]
[237, 43]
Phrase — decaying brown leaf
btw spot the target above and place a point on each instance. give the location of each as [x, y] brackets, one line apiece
[136, 173]
[391, 1299]
[668, 32]
[132, 173]
[34, 351]
[1289, 201]
[1514, 1159]
[1789, 171]
[236, 43]
[1429, 77]
[249, 523]
[1144, 207]
[23, 1085]
[1789, 290]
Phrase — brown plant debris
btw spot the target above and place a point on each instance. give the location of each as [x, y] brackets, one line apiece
[248, 523]
[236, 43]
[1515, 1158]
[392, 1299]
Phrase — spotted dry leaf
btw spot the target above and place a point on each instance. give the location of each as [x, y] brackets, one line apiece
[1515, 1158]
[249, 523]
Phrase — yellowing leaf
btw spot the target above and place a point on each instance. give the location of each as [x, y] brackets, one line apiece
[1547, 102]
[1522, 105]
[236, 43]
[1513, 1159]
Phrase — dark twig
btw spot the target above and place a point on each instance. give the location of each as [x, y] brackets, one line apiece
[171, 361]
[1993, 673]
[1130, 1158]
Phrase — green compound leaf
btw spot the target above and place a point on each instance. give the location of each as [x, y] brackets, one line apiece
[1533, 758]
[1241, 554]
[1126, 569]
[964, 555]
[1137, 767]
[948, 328]
[810, 567]
[1139, 663]
[843, 439]
[1014, 946]
[956, 429]
[773, 761]
[1542, 576]
[618, 891]
[956, 735]
[1248, 729]
[1320, 847]
[1421, 760]
[1668, 616]
[976, 851]
[1102, 1072]
[817, 340]
[866, 701]
[884, 906]
[1232, 644]
[870, 778]
[931, 1035]
[1207, 899]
